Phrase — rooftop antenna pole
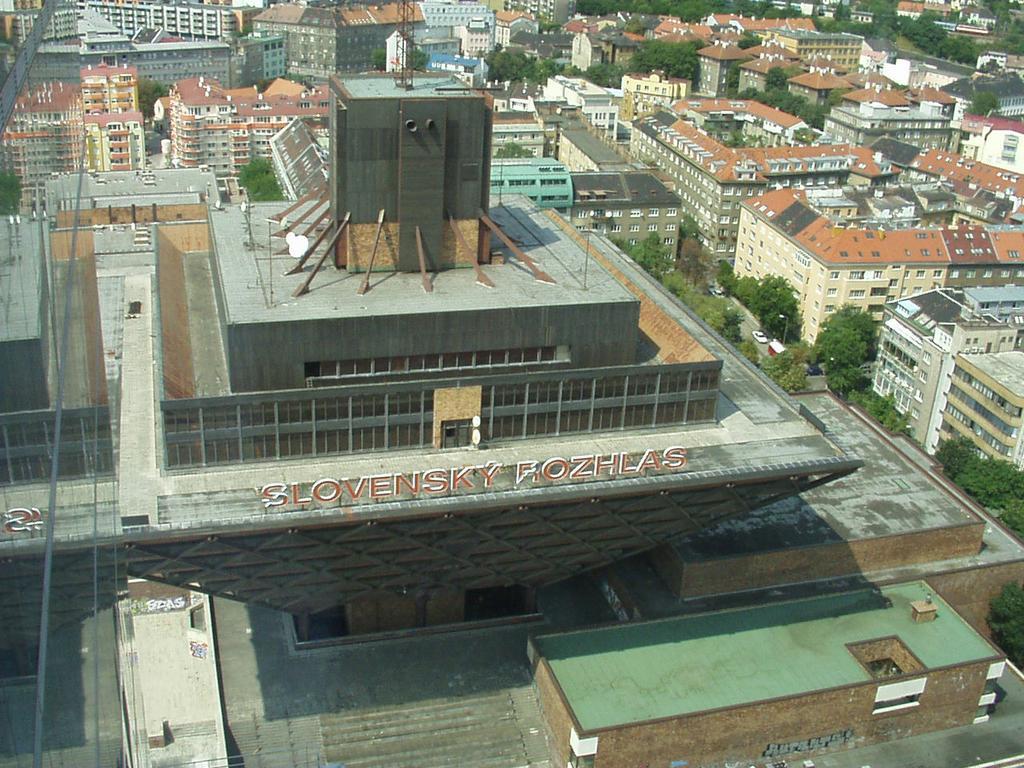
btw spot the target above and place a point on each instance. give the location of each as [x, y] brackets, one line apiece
[406, 17]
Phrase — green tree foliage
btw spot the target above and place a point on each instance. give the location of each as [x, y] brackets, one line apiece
[882, 409]
[675, 59]
[750, 351]
[694, 261]
[732, 81]
[845, 343]
[419, 59]
[517, 66]
[512, 150]
[984, 103]
[773, 303]
[10, 193]
[259, 181]
[777, 78]
[749, 40]
[149, 92]
[1013, 516]
[993, 482]
[1006, 620]
[788, 369]
[860, 321]
[726, 278]
[606, 75]
[717, 312]
[651, 254]
[379, 59]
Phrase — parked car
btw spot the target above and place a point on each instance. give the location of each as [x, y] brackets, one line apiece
[775, 347]
[760, 337]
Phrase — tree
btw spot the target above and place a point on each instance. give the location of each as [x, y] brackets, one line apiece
[606, 75]
[694, 261]
[259, 181]
[859, 321]
[732, 81]
[650, 254]
[749, 40]
[954, 456]
[842, 352]
[1006, 620]
[635, 26]
[984, 103]
[149, 92]
[379, 59]
[10, 193]
[776, 307]
[749, 350]
[1012, 516]
[419, 59]
[777, 79]
[882, 409]
[675, 59]
[726, 278]
[788, 370]
[512, 150]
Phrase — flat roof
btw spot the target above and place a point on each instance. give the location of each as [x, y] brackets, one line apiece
[21, 258]
[637, 672]
[423, 85]
[891, 494]
[168, 186]
[245, 275]
[1007, 368]
[593, 147]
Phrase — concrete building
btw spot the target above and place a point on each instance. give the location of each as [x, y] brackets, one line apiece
[818, 675]
[714, 63]
[713, 180]
[839, 47]
[970, 180]
[630, 205]
[995, 141]
[546, 182]
[579, 149]
[643, 93]
[476, 37]
[756, 123]
[192, 20]
[1008, 88]
[115, 141]
[44, 134]
[557, 11]
[255, 58]
[597, 106]
[830, 266]
[923, 118]
[507, 23]
[816, 85]
[18, 17]
[1005, 303]
[524, 129]
[986, 403]
[224, 129]
[442, 19]
[754, 73]
[110, 88]
[310, 38]
[920, 339]
[472, 72]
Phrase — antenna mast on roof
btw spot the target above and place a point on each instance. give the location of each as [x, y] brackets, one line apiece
[406, 11]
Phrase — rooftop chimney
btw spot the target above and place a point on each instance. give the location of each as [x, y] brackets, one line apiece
[923, 610]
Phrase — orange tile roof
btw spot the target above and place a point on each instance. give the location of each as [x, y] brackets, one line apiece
[763, 65]
[48, 97]
[747, 106]
[281, 85]
[763, 25]
[103, 118]
[889, 98]
[819, 81]
[871, 80]
[772, 49]
[929, 94]
[968, 176]
[507, 17]
[677, 27]
[247, 101]
[836, 244]
[724, 52]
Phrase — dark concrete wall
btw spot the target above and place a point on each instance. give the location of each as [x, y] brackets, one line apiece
[23, 382]
[272, 355]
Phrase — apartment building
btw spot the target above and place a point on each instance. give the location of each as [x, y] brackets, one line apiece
[754, 73]
[507, 23]
[839, 47]
[757, 123]
[522, 128]
[225, 129]
[996, 141]
[107, 88]
[817, 85]
[970, 180]
[442, 19]
[44, 133]
[921, 336]
[255, 58]
[557, 11]
[643, 94]
[194, 20]
[17, 19]
[115, 141]
[631, 205]
[830, 265]
[986, 403]
[310, 38]
[923, 118]
[476, 37]
[713, 180]
[597, 105]
[1008, 88]
[714, 63]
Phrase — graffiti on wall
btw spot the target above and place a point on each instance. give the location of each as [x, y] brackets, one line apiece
[833, 740]
[22, 519]
[198, 649]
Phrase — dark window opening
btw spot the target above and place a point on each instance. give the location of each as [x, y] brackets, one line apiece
[456, 434]
[322, 625]
[497, 602]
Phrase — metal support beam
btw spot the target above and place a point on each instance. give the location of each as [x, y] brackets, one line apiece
[312, 194]
[481, 278]
[538, 274]
[304, 216]
[301, 264]
[427, 285]
[365, 285]
[304, 288]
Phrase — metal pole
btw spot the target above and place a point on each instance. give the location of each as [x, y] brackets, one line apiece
[586, 261]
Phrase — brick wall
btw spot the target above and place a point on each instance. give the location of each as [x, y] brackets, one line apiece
[556, 713]
[742, 734]
[178, 373]
[970, 590]
[765, 569]
[140, 214]
[454, 403]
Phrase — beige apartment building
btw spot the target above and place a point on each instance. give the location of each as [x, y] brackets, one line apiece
[986, 403]
[830, 266]
[107, 88]
[841, 48]
[643, 94]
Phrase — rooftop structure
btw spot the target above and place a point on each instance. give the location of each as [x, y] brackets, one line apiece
[721, 117]
[641, 674]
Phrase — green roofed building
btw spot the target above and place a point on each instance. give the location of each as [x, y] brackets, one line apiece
[546, 182]
[798, 677]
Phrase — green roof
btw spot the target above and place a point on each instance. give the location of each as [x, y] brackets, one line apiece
[637, 672]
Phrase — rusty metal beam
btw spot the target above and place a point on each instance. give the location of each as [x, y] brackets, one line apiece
[304, 288]
[538, 274]
[427, 286]
[304, 216]
[365, 285]
[301, 264]
[298, 203]
[480, 276]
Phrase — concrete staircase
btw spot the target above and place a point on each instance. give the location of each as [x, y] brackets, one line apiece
[292, 742]
[502, 729]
